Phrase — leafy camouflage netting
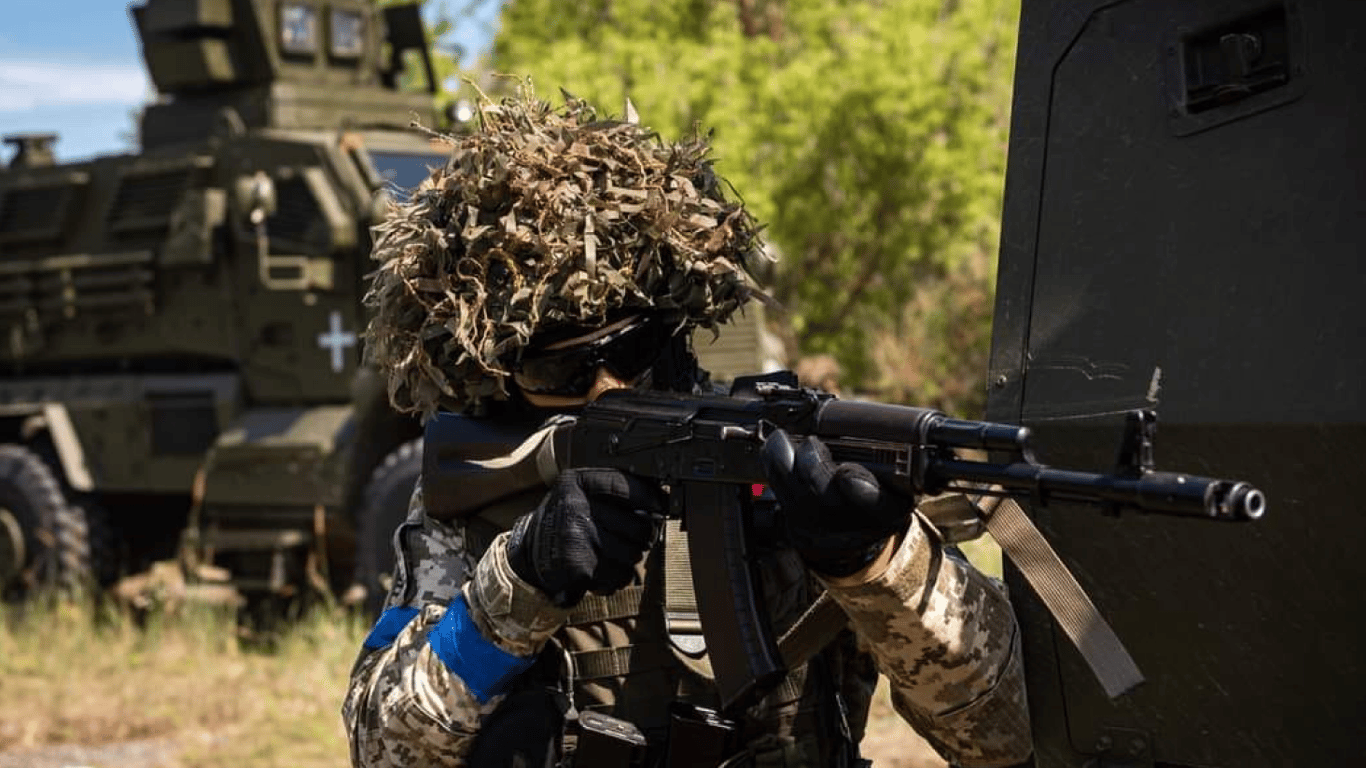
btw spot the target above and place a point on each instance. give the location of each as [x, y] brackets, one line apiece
[546, 219]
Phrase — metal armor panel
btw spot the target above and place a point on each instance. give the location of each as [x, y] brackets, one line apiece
[1182, 230]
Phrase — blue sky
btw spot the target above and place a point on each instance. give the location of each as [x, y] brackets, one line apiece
[73, 67]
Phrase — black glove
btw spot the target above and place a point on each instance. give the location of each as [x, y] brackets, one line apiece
[837, 516]
[587, 535]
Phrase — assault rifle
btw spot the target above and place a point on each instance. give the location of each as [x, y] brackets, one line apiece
[704, 449]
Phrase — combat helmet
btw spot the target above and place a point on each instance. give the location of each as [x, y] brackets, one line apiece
[546, 219]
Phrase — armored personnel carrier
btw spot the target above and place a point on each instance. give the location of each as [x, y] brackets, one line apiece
[1182, 232]
[181, 324]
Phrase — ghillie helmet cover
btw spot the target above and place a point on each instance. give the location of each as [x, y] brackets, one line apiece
[548, 219]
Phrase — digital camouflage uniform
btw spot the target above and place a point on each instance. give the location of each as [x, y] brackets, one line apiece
[950, 652]
[545, 220]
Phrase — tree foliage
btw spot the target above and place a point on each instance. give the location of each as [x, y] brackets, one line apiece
[451, 64]
[869, 134]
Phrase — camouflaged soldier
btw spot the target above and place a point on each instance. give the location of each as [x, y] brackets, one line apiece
[555, 257]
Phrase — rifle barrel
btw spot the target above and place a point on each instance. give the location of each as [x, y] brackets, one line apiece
[1171, 493]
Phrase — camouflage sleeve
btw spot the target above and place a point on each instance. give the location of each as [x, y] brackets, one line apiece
[430, 672]
[517, 616]
[945, 636]
[404, 707]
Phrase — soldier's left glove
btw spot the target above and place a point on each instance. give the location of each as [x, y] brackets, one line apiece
[837, 516]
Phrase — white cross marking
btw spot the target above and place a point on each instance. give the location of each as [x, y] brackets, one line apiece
[336, 340]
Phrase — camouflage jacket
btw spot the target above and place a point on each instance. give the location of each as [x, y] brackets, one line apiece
[458, 631]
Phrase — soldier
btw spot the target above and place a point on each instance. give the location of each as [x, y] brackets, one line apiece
[555, 257]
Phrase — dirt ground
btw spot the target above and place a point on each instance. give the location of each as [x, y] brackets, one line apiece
[142, 753]
[893, 748]
[889, 742]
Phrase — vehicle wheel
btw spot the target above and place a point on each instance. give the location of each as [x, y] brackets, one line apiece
[106, 555]
[44, 539]
[383, 506]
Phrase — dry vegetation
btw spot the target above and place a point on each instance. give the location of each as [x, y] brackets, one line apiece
[184, 682]
[188, 692]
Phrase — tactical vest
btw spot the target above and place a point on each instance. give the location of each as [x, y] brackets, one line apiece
[631, 653]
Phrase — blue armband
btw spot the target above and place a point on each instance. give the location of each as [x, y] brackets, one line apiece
[485, 668]
[390, 623]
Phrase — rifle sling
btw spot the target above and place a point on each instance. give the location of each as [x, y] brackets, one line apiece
[1059, 591]
[1056, 587]
[813, 630]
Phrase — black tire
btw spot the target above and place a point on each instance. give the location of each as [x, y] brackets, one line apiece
[106, 553]
[383, 506]
[55, 533]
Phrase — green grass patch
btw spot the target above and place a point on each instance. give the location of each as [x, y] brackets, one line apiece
[984, 553]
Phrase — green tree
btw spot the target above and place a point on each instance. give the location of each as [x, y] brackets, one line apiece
[452, 66]
[869, 134]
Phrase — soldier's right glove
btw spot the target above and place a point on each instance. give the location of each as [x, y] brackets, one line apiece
[836, 515]
[587, 535]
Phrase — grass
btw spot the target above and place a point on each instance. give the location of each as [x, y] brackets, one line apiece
[70, 676]
[984, 554]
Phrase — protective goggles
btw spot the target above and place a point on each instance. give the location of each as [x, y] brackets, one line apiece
[568, 368]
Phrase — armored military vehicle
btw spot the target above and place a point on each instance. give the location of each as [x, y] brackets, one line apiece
[1182, 231]
[181, 362]
[181, 323]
